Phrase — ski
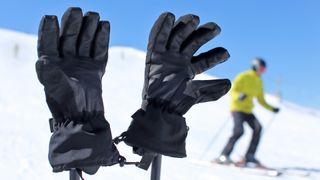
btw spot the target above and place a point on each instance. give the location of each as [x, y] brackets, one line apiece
[258, 169]
[269, 171]
[252, 169]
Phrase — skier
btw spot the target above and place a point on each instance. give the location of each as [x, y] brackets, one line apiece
[246, 86]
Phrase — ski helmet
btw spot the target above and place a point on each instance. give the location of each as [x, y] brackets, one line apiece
[258, 63]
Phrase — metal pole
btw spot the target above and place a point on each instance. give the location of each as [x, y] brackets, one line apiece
[156, 168]
[271, 120]
[214, 138]
[74, 175]
[267, 127]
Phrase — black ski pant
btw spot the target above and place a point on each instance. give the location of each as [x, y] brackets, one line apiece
[239, 118]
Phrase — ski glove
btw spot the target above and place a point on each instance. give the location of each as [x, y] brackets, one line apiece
[70, 67]
[275, 110]
[242, 97]
[169, 89]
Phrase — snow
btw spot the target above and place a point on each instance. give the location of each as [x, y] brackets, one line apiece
[290, 140]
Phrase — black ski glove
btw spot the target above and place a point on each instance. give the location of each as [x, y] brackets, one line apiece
[169, 91]
[70, 66]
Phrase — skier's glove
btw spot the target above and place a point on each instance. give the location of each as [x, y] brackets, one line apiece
[242, 97]
[169, 89]
[275, 110]
[70, 66]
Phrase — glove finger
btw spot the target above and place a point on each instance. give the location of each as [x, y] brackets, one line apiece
[48, 36]
[70, 29]
[209, 59]
[101, 44]
[88, 31]
[199, 37]
[160, 32]
[184, 26]
[211, 90]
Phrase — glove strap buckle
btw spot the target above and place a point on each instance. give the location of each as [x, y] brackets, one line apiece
[146, 160]
[51, 124]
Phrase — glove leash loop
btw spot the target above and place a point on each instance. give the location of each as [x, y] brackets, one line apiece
[123, 161]
[120, 138]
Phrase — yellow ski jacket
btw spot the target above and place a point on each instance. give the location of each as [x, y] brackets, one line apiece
[251, 85]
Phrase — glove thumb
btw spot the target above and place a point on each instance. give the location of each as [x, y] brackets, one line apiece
[210, 90]
[200, 91]
[55, 81]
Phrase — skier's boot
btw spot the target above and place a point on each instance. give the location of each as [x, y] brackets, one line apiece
[223, 159]
[251, 161]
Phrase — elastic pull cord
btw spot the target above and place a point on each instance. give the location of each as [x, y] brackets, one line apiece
[123, 161]
[79, 172]
[120, 138]
[147, 157]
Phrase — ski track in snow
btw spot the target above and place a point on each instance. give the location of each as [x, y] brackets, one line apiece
[291, 141]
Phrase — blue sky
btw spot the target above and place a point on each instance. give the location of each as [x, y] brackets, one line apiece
[285, 33]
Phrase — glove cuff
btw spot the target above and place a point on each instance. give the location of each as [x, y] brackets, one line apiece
[81, 145]
[155, 129]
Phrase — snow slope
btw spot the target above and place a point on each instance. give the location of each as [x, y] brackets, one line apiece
[291, 140]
